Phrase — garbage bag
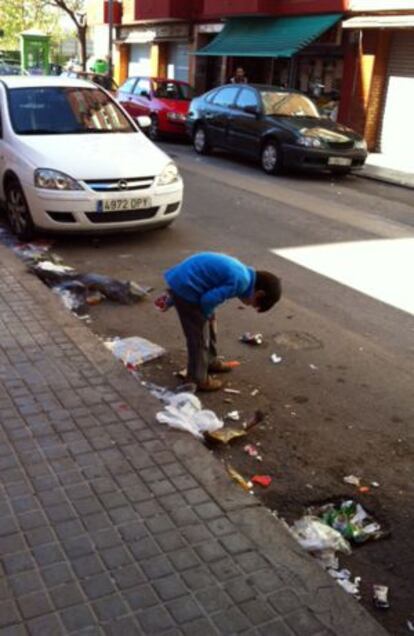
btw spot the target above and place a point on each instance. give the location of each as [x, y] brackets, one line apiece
[123, 292]
[315, 536]
[184, 411]
[134, 351]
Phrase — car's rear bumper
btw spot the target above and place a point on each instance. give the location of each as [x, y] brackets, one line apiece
[319, 158]
[77, 211]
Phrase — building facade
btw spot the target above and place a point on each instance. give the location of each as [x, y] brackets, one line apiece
[378, 89]
[356, 61]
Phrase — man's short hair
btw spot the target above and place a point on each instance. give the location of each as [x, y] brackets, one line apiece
[271, 285]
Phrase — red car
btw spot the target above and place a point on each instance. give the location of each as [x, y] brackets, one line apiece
[165, 101]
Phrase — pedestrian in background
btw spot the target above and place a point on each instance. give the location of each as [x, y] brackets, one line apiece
[239, 77]
[197, 286]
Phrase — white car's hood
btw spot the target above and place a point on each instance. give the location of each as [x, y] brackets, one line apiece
[95, 156]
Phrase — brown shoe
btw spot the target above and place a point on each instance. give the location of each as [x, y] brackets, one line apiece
[209, 385]
[219, 366]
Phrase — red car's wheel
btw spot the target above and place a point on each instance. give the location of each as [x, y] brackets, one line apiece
[154, 129]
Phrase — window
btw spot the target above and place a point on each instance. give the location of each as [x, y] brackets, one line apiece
[65, 111]
[285, 104]
[173, 90]
[247, 98]
[225, 97]
[143, 87]
[128, 86]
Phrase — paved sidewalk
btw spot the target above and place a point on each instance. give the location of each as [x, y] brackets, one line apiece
[394, 170]
[112, 524]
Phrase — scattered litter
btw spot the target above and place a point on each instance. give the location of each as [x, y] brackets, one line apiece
[182, 373]
[252, 338]
[351, 520]
[184, 411]
[257, 417]
[353, 480]
[232, 364]
[134, 351]
[232, 391]
[262, 480]
[363, 490]
[94, 298]
[344, 579]
[246, 485]
[375, 484]
[313, 367]
[380, 596]
[254, 392]
[410, 625]
[233, 415]
[226, 435]
[275, 358]
[315, 536]
[252, 451]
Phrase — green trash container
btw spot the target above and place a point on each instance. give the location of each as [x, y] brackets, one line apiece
[100, 66]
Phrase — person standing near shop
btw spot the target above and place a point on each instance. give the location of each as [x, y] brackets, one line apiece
[239, 76]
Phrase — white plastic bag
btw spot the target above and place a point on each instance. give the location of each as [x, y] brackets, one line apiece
[315, 536]
[134, 351]
[184, 411]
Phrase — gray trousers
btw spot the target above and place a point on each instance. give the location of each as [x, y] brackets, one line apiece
[200, 336]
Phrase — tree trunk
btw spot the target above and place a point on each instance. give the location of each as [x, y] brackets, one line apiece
[82, 43]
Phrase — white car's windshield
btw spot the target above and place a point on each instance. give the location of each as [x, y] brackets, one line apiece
[63, 110]
[285, 104]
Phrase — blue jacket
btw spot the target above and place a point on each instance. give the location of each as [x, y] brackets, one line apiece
[208, 279]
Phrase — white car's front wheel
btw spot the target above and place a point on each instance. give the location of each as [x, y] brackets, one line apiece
[18, 213]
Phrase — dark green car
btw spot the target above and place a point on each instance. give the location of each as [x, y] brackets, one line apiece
[279, 127]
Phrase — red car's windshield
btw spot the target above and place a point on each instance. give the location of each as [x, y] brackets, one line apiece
[171, 90]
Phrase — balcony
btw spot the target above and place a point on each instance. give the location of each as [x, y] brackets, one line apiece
[227, 8]
[154, 10]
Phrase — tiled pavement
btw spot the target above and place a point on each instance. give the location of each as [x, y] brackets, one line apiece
[111, 524]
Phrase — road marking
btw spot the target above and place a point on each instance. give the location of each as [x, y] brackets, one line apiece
[382, 269]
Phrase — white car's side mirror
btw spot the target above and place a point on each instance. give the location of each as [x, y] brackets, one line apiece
[143, 121]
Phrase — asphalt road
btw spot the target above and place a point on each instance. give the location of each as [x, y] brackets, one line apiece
[341, 400]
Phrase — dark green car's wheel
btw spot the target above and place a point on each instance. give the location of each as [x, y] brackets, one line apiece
[18, 213]
[200, 141]
[271, 157]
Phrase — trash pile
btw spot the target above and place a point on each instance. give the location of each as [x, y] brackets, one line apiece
[333, 527]
[185, 412]
[77, 290]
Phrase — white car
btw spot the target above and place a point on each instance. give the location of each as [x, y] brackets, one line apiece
[72, 159]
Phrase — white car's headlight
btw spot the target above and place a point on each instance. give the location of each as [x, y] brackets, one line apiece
[54, 180]
[361, 144]
[309, 142]
[169, 175]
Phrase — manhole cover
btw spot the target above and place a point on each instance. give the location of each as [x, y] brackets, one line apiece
[297, 340]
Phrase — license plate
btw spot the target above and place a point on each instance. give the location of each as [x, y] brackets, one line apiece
[339, 161]
[117, 205]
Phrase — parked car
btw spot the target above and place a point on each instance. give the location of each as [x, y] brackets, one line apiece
[71, 159]
[97, 78]
[279, 127]
[8, 67]
[165, 101]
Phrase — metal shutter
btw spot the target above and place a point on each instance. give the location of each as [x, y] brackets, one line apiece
[139, 60]
[178, 62]
[397, 132]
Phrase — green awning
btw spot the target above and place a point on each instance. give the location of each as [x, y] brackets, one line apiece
[268, 37]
